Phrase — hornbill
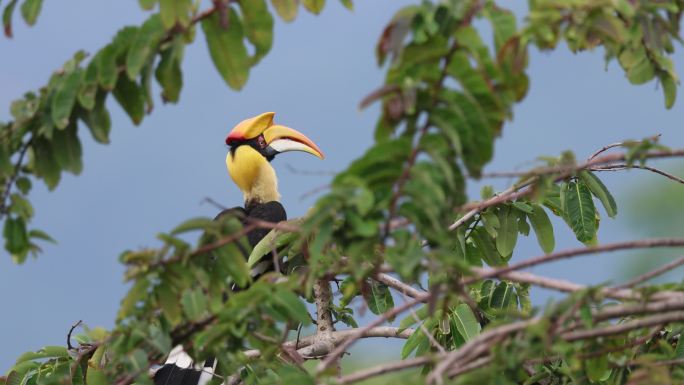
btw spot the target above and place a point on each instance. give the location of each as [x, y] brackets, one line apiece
[253, 144]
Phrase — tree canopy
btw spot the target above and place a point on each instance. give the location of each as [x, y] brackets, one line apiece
[397, 217]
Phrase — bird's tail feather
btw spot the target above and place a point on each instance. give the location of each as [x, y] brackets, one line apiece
[179, 369]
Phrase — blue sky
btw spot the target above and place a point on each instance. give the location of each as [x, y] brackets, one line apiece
[153, 176]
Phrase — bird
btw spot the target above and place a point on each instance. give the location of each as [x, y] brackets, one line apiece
[252, 145]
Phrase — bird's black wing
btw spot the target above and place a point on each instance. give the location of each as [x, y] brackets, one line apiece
[269, 212]
[171, 373]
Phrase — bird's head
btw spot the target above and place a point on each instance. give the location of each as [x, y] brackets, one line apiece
[253, 143]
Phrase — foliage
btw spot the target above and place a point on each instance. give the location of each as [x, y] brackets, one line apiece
[446, 97]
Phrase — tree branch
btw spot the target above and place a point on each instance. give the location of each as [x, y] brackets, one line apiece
[358, 333]
[571, 287]
[399, 285]
[624, 327]
[639, 244]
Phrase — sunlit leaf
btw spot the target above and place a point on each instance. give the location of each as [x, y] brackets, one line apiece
[30, 10]
[258, 24]
[286, 9]
[315, 6]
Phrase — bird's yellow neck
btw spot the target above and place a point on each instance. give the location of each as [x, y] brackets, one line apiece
[253, 174]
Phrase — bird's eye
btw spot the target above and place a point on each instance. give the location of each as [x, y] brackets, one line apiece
[261, 141]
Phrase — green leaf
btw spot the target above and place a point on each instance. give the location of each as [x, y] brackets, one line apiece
[378, 297]
[503, 24]
[7, 17]
[169, 74]
[597, 368]
[288, 374]
[199, 223]
[98, 120]
[23, 184]
[274, 240]
[16, 238]
[466, 323]
[44, 352]
[64, 98]
[486, 248]
[227, 49]
[293, 305]
[13, 378]
[106, 67]
[233, 261]
[131, 98]
[286, 9]
[144, 46]
[138, 292]
[87, 94]
[679, 350]
[314, 6]
[194, 303]
[503, 296]
[168, 300]
[21, 207]
[410, 319]
[96, 376]
[175, 11]
[67, 149]
[669, 90]
[258, 24]
[39, 234]
[417, 339]
[45, 163]
[507, 234]
[30, 10]
[147, 4]
[580, 211]
[348, 4]
[543, 228]
[600, 191]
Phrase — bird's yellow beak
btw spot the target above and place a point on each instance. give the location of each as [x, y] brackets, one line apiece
[282, 139]
[276, 137]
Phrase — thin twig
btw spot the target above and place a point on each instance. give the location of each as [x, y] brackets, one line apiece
[651, 274]
[572, 287]
[213, 203]
[622, 328]
[71, 330]
[621, 166]
[339, 336]
[13, 178]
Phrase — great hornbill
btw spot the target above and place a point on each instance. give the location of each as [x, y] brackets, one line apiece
[253, 144]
